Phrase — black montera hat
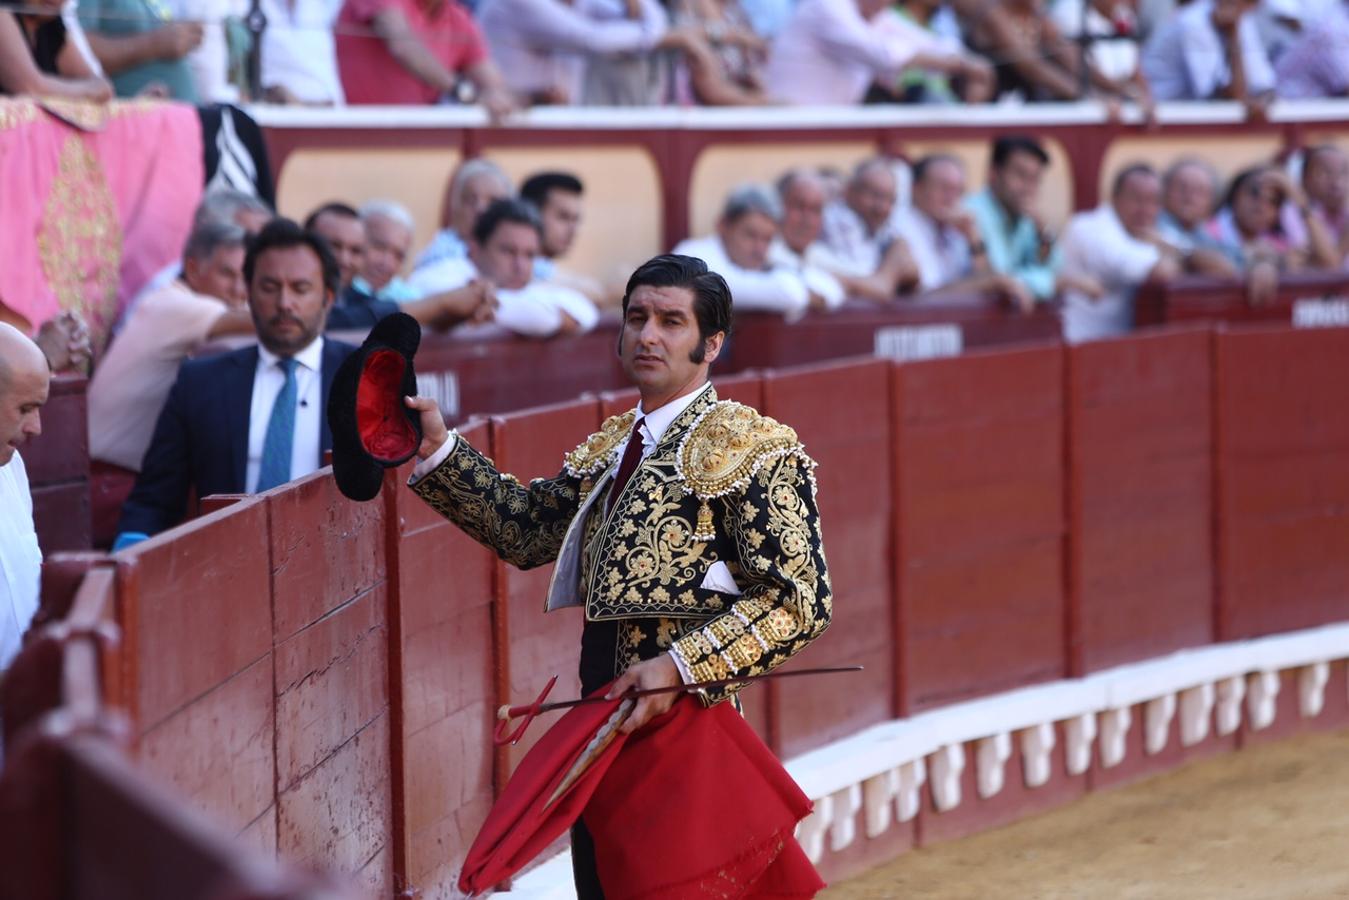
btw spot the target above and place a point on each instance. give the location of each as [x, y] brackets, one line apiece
[372, 427]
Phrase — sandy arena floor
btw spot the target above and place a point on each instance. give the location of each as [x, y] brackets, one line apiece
[1267, 823]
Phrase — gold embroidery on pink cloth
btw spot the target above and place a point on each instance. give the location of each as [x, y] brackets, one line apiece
[80, 239]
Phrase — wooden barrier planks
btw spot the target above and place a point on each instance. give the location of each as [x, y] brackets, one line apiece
[1140, 489]
[1283, 486]
[979, 480]
[840, 412]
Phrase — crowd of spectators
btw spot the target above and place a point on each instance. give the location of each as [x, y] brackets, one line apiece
[511, 54]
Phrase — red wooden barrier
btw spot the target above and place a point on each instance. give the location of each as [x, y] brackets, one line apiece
[1140, 474]
[1283, 485]
[841, 413]
[442, 676]
[329, 605]
[58, 468]
[533, 647]
[909, 328]
[196, 602]
[978, 457]
[1305, 299]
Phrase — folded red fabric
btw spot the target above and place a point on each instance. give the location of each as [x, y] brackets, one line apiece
[695, 805]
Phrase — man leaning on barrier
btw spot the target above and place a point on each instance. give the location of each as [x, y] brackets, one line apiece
[686, 528]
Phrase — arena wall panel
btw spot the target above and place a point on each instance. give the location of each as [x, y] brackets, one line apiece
[195, 601]
[1283, 488]
[443, 681]
[533, 647]
[978, 459]
[330, 607]
[1140, 492]
[840, 412]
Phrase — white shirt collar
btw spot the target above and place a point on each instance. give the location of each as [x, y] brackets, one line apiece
[310, 357]
[658, 421]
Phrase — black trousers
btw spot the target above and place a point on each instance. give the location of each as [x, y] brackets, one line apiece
[583, 869]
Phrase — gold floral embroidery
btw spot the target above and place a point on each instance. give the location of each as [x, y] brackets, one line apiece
[80, 240]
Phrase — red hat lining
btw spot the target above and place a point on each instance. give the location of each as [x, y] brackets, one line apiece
[385, 431]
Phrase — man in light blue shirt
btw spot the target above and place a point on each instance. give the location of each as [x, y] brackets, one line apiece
[1015, 242]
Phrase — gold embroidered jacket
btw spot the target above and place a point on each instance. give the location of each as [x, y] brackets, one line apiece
[724, 485]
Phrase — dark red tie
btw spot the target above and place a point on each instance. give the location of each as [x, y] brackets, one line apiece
[631, 457]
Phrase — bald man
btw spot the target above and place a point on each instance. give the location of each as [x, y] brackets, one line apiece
[24, 378]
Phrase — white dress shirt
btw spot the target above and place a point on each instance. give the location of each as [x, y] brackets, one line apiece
[1184, 59]
[828, 54]
[940, 251]
[298, 49]
[775, 289]
[305, 456]
[542, 44]
[1097, 245]
[20, 559]
[534, 310]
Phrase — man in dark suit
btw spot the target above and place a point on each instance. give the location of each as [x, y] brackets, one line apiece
[252, 419]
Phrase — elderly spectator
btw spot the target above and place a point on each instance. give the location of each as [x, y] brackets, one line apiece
[1015, 239]
[1189, 200]
[943, 238]
[857, 228]
[1109, 29]
[1033, 60]
[420, 50]
[388, 240]
[1210, 48]
[134, 377]
[1267, 217]
[140, 49]
[804, 199]
[299, 52]
[1316, 64]
[341, 227]
[740, 252]
[832, 50]
[559, 198]
[24, 381]
[43, 54]
[222, 205]
[505, 242]
[595, 52]
[1189, 196]
[1325, 178]
[1117, 246]
[475, 185]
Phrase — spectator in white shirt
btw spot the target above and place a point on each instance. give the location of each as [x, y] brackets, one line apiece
[803, 193]
[134, 376]
[559, 198]
[502, 250]
[1209, 49]
[1116, 245]
[556, 52]
[473, 187]
[299, 54]
[832, 50]
[944, 238]
[24, 380]
[857, 227]
[739, 251]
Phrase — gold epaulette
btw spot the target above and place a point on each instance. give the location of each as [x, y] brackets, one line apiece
[598, 450]
[728, 444]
